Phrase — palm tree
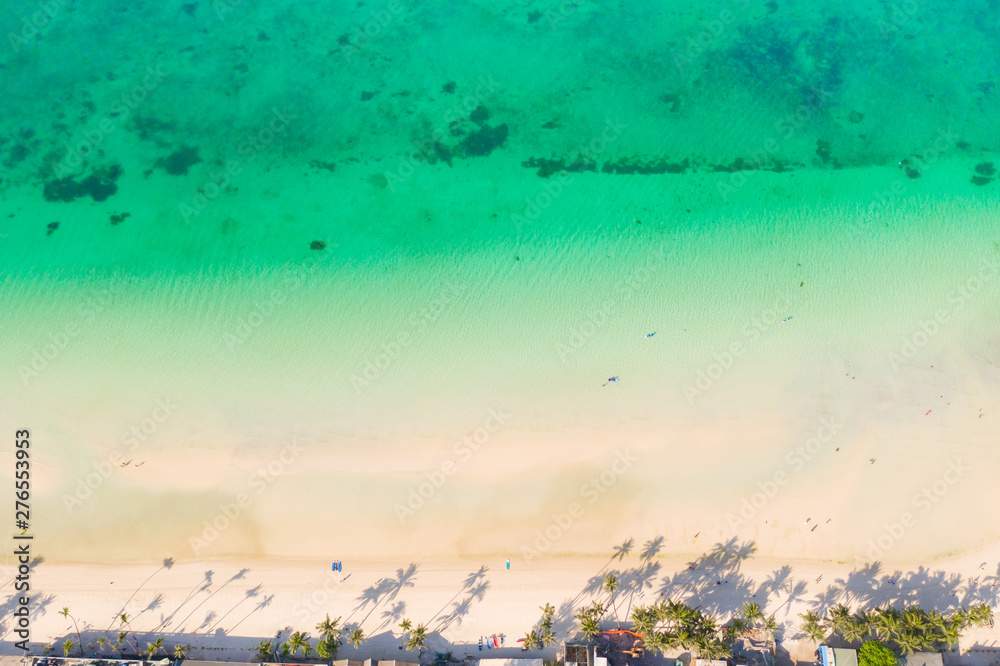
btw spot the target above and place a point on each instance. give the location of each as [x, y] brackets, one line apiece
[152, 648]
[590, 627]
[610, 585]
[296, 641]
[329, 629]
[405, 626]
[327, 649]
[915, 617]
[102, 644]
[838, 617]
[981, 615]
[737, 626]
[307, 649]
[67, 646]
[65, 613]
[532, 641]
[357, 637]
[590, 620]
[643, 621]
[418, 639]
[854, 631]
[886, 623]
[265, 651]
[181, 651]
[123, 636]
[652, 640]
[752, 613]
[908, 643]
[812, 626]
[950, 634]
[713, 649]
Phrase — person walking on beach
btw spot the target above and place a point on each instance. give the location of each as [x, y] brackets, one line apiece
[508, 565]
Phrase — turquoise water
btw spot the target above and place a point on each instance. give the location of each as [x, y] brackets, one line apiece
[306, 122]
[242, 206]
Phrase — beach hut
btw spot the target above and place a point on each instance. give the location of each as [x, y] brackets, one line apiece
[577, 654]
[845, 657]
[829, 656]
[923, 659]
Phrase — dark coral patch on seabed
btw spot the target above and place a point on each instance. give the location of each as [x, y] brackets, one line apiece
[99, 186]
[178, 162]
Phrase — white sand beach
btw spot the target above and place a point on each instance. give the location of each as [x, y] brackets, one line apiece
[224, 608]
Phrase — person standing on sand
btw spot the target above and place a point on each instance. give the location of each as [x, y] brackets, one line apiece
[508, 565]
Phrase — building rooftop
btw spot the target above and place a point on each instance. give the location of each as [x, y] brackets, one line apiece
[923, 659]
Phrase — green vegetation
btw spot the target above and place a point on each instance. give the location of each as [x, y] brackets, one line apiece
[875, 653]
[669, 625]
[154, 647]
[357, 637]
[590, 619]
[265, 651]
[812, 626]
[418, 639]
[906, 631]
[610, 585]
[65, 613]
[298, 641]
[537, 639]
[329, 638]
